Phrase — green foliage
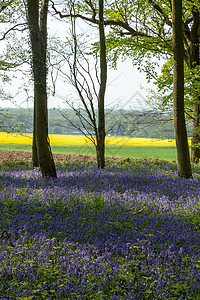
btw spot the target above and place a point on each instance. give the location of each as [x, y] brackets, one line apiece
[149, 38]
[164, 84]
[14, 164]
[11, 11]
[14, 45]
[6, 65]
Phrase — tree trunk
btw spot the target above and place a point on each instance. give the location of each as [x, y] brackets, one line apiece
[100, 151]
[101, 97]
[195, 141]
[35, 161]
[184, 167]
[195, 61]
[38, 36]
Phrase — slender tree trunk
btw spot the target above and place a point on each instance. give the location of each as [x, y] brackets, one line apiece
[38, 36]
[195, 61]
[101, 97]
[184, 167]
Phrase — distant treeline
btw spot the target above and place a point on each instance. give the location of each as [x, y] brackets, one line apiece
[119, 122]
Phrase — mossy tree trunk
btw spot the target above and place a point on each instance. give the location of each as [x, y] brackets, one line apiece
[195, 62]
[37, 21]
[184, 166]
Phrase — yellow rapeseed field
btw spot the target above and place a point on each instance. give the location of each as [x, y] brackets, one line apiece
[76, 140]
[15, 138]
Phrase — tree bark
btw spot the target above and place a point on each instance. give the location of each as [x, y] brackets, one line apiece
[195, 61]
[38, 36]
[35, 161]
[184, 167]
[195, 141]
[100, 148]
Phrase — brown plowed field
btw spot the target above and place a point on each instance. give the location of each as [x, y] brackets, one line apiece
[10, 155]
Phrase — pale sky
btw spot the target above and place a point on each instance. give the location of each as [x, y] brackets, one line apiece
[122, 85]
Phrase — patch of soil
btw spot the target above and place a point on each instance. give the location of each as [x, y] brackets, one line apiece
[10, 155]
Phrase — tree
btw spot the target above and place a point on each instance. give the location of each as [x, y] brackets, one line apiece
[37, 22]
[144, 29]
[184, 167]
[12, 19]
[191, 25]
[92, 119]
[161, 19]
[101, 96]
[194, 63]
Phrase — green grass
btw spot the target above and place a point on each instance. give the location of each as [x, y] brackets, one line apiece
[168, 153]
[17, 147]
[156, 152]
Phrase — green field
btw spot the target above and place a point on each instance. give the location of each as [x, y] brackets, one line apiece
[155, 152]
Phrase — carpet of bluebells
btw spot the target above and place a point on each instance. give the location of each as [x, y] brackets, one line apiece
[131, 231]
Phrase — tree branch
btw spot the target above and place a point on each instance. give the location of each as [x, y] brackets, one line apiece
[160, 10]
[13, 28]
[93, 20]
